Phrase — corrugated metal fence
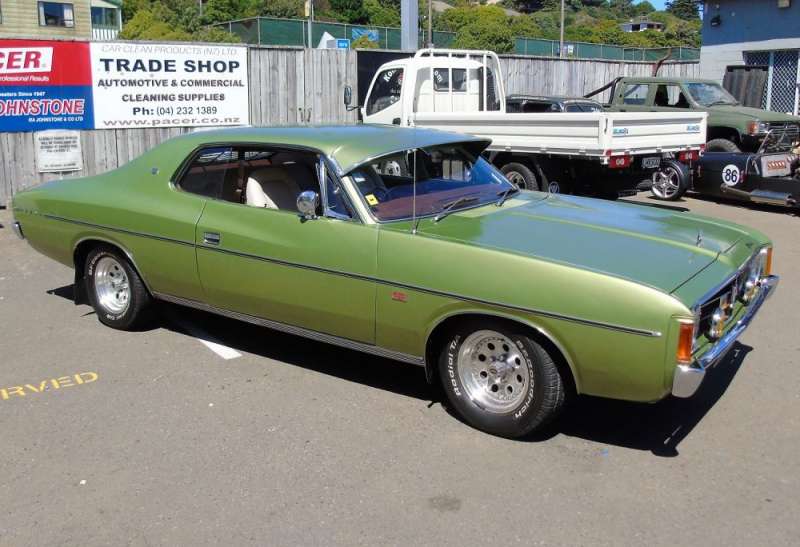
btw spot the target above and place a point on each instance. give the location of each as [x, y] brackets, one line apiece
[297, 86]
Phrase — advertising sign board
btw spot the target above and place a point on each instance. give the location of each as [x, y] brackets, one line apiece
[168, 85]
[45, 84]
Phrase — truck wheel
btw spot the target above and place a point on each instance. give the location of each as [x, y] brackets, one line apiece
[722, 145]
[521, 176]
[671, 181]
[500, 380]
[115, 290]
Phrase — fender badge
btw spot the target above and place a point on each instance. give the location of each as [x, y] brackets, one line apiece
[399, 296]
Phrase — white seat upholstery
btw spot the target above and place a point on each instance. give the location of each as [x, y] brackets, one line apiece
[273, 188]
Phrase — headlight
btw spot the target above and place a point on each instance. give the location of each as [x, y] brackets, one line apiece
[757, 127]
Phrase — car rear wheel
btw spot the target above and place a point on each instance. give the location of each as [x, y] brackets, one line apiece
[722, 145]
[521, 176]
[115, 290]
[671, 181]
[500, 380]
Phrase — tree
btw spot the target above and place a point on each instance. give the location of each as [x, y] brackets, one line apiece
[281, 8]
[485, 35]
[687, 10]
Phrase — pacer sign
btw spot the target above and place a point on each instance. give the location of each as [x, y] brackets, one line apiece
[44, 85]
[168, 85]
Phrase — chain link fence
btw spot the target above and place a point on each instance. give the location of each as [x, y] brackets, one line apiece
[269, 31]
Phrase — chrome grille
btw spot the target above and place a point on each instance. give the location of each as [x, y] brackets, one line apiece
[733, 290]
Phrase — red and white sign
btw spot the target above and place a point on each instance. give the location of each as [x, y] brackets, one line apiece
[25, 59]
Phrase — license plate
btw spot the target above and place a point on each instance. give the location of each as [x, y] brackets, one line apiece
[651, 163]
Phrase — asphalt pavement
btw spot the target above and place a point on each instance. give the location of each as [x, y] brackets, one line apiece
[203, 430]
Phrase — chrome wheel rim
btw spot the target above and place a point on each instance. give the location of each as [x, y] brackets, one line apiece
[517, 179]
[493, 371]
[666, 183]
[111, 285]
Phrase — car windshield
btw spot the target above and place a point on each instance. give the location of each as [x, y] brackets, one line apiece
[447, 177]
[710, 94]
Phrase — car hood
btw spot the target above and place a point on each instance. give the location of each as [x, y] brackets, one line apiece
[652, 246]
[754, 113]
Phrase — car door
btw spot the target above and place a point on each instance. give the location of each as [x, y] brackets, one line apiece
[271, 263]
[384, 104]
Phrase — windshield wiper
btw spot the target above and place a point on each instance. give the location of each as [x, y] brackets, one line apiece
[505, 194]
[715, 103]
[448, 207]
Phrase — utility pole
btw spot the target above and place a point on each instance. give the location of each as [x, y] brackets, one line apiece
[200, 5]
[409, 22]
[430, 23]
[310, 14]
[561, 41]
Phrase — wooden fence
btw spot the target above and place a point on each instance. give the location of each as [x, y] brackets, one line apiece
[297, 86]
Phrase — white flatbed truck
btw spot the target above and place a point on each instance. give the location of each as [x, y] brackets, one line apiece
[606, 153]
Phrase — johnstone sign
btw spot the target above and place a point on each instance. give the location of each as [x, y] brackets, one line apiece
[118, 85]
[45, 85]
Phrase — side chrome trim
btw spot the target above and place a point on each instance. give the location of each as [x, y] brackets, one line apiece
[119, 230]
[687, 378]
[387, 282]
[297, 331]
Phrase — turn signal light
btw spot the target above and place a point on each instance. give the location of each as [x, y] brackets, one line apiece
[685, 343]
[767, 262]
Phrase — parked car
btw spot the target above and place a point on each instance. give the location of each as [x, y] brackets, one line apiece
[731, 126]
[595, 152]
[772, 179]
[535, 103]
[513, 299]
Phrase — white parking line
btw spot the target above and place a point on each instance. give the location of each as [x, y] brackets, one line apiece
[223, 351]
[206, 339]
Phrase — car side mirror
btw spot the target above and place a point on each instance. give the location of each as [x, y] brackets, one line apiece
[348, 95]
[307, 204]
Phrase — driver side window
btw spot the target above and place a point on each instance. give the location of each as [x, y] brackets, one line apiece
[385, 91]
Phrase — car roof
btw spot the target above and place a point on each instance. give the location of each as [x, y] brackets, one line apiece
[347, 145]
[666, 80]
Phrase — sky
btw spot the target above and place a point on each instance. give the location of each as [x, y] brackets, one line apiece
[658, 4]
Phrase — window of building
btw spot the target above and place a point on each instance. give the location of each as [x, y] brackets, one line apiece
[55, 14]
[105, 17]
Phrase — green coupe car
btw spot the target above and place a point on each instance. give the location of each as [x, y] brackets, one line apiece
[407, 244]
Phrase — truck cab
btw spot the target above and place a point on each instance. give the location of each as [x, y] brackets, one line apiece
[453, 83]
[731, 126]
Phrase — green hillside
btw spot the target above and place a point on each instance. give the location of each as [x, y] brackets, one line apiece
[476, 24]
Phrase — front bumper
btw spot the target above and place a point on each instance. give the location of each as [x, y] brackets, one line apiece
[17, 229]
[688, 378]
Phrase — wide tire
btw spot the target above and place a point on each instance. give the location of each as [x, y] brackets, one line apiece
[722, 145]
[115, 290]
[500, 380]
[521, 176]
[671, 181]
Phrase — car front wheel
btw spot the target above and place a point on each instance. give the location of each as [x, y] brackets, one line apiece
[115, 290]
[500, 380]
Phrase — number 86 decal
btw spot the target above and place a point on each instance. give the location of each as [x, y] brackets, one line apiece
[730, 175]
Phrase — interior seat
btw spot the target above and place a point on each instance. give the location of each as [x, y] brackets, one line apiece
[272, 187]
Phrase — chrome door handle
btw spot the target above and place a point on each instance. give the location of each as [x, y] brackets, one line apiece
[211, 238]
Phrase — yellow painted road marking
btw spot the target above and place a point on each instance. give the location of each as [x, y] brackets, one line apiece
[51, 384]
